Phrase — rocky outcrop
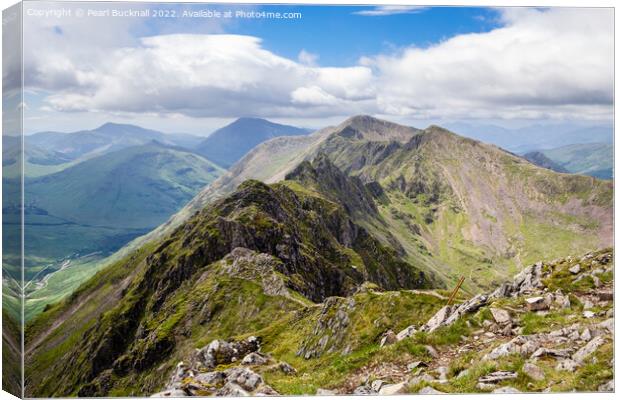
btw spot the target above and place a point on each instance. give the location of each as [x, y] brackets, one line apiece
[200, 378]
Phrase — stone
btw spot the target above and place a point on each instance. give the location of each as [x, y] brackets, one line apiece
[588, 314]
[431, 351]
[462, 374]
[485, 386]
[364, 389]
[501, 316]
[587, 304]
[325, 392]
[416, 364]
[376, 385]
[231, 390]
[607, 386]
[429, 390]
[389, 337]
[506, 389]
[561, 300]
[214, 378]
[575, 269]
[244, 377]
[586, 335]
[421, 378]
[405, 333]
[566, 365]
[442, 372]
[265, 390]
[588, 349]
[533, 371]
[171, 393]
[605, 295]
[254, 358]
[536, 304]
[438, 319]
[498, 376]
[607, 324]
[395, 388]
[556, 353]
[222, 352]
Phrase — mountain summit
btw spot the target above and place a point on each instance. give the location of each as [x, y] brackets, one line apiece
[227, 145]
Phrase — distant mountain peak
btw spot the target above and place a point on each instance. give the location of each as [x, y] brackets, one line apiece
[366, 127]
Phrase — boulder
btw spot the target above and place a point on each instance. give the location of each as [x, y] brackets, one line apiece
[533, 371]
[325, 392]
[566, 365]
[501, 316]
[588, 349]
[429, 390]
[376, 385]
[506, 389]
[244, 377]
[556, 353]
[395, 388]
[405, 333]
[607, 387]
[389, 337]
[286, 368]
[498, 376]
[222, 352]
[431, 351]
[608, 324]
[171, 393]
[416, 364]
[536, 304]
[588, 314]
[231, 390]
[254, 358]
[437, 320]
[575, 269]
[265, 390]
[421, 378]
[214, 378]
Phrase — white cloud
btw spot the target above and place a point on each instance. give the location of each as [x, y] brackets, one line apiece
[541, 64]
[307, 58]
[380, 11]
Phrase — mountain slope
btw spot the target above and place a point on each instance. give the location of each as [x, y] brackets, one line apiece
[50, 152]
[594, 159]
[540, 159]
[308, 245]
[474, 209]
[357, 209]
[227, 145]
[457, 205]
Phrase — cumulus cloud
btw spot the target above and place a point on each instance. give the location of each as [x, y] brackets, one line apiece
[541, 63]
[555, 63]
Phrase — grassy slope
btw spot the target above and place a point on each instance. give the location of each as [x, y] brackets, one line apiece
[479, 211]
[100, 205]
[594, 159]
[173, 294]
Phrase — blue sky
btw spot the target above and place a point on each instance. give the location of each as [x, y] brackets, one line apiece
[510, 66]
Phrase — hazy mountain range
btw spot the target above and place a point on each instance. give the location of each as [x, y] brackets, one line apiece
[227, 145]
[364, 206]
[594, 159]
